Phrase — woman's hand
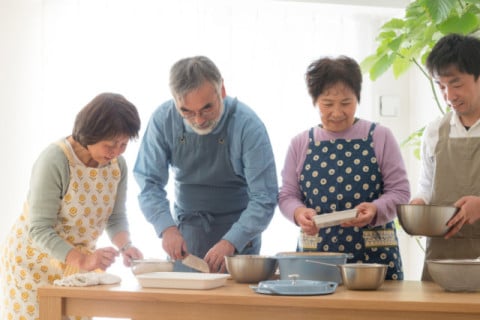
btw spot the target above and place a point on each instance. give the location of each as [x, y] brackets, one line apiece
[129, 254]
[366, 211]
[99, 259]
[417, 201]
[304, 218]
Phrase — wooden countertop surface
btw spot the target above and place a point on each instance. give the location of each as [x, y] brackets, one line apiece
[400, 296]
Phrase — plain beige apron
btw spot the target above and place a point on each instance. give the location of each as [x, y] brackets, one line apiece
[82, 217]
[457, 174]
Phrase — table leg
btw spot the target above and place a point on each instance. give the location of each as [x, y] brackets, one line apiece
[50, 308]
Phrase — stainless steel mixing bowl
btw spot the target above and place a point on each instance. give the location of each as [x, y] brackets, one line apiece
[363, 276]
[250, 268]
[359, 276]
[456, 274]
[425, 220]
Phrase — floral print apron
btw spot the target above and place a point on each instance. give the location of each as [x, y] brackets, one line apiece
[338, 175]
[83, 215]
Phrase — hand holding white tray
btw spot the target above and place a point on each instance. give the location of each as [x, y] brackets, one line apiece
[334, 218]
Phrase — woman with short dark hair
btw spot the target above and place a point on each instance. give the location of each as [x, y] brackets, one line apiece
[77, 190]
[345, 163]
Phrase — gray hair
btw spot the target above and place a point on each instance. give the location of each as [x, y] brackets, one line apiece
[190, 73]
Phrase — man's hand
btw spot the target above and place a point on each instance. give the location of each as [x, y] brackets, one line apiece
[469, 213]
[215, 257]
[173, 243]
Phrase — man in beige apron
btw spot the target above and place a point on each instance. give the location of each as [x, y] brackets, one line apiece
[455, 175]
[451, 149]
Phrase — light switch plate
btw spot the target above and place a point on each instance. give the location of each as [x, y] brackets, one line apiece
[389, 105]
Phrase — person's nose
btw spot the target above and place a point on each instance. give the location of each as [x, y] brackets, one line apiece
[337, 111]
[116, 151]
[449, 95]
[199, 118]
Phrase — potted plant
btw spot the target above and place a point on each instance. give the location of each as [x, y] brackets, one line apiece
[405, 42]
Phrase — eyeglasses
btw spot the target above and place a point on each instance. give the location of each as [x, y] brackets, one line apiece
[205, 113]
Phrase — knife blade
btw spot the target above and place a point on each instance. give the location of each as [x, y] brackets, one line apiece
[196, 263]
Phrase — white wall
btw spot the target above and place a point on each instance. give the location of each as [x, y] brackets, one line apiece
[40, 92]
[20, 53]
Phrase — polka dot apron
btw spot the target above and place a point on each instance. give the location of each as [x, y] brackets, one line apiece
[338, 175]
[83, 215]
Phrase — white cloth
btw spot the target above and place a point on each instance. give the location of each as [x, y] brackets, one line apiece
[87, 279]
[429, 143]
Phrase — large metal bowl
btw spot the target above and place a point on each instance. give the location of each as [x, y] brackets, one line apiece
[456, 275]
[363, 276]
[250, 268]
[425, 220]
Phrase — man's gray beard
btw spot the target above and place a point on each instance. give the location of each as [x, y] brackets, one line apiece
[213, 123]
[206, 131]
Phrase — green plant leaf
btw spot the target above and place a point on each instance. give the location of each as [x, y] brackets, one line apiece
[415, 9]
[393, 24]
[439, 10]
[368, 62]
[380, 66]
[455, 24]
[395, 44]
[400, 66]
[424, 56]
[386, 35]
[408, 41]
[473, 6]
[413, 138]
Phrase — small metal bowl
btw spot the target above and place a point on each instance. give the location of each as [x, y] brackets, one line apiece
[363, 276]
[425, 220]
[250, 268]
[151, 265]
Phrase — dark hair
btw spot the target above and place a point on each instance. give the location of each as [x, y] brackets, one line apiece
[190, 73]
[326, 72]
[462, 52]
[107, 116]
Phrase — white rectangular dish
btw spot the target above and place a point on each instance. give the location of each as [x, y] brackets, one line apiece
[182, 280]
[334, 218]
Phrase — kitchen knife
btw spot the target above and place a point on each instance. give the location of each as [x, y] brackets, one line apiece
[196, 263]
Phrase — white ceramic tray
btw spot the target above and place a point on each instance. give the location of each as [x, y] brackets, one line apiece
[334, 218]
[182, 280]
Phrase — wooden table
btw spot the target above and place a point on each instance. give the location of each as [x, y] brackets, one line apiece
[394, 300]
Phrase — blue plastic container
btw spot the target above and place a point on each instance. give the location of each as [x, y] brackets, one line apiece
[295, 265]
